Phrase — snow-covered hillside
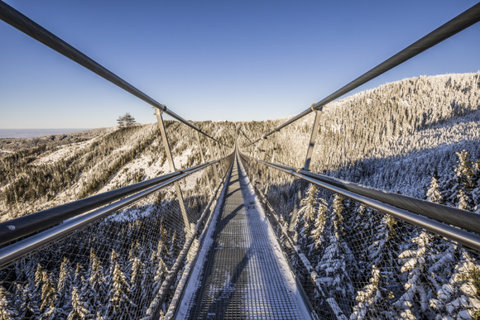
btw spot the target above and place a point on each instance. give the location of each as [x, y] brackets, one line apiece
[382, 137]
[37, 178]
[419, 137]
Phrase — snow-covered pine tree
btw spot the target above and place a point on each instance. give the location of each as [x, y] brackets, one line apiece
[373, 300]
[464, 201]
[413, 304]
[49, 296]
[80, 307]
[317, 234]
[6, 311]
[459, 298]
[95, 287]
[31, 294]
[337, 259]
[161, 272]
[433, 193]
[173, 248]
[442, 254]
[367, 296]
[458, 188]
[307, 213]
[294, 220]
[137, 279]
[120, 304]
[64, 285]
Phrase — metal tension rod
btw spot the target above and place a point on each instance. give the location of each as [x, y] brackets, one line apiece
[311, 142]
[212, 156]
[201, 153]
[457, 24]
[168, 152]
[34, 30]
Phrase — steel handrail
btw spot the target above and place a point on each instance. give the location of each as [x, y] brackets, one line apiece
[34, 30]
[457, 24]
[41, 220]
[18, 249]
[432, 221]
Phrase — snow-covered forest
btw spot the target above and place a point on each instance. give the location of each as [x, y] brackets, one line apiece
[418, 137]
[44, 176]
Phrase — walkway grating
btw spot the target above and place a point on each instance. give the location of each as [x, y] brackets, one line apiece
[244, 276]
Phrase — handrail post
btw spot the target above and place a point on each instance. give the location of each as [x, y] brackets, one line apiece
[212, 157]
[261, 148]
[201, 153]
[199, 147]
[168, 151]
[311, 142]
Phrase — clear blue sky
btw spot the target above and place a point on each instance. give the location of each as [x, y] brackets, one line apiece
[218, 60]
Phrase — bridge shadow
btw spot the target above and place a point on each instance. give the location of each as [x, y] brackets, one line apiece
[221, 293]
[225, 220]
[230, 293]
[232, 193]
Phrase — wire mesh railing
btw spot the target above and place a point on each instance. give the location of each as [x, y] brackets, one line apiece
[363, 253]
[356, 258]
[116, 254]
[355, 262]
[115, 267]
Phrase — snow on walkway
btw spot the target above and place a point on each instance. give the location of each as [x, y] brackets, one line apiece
[245, 275]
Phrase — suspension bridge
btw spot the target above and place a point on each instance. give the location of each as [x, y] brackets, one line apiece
[159, 249]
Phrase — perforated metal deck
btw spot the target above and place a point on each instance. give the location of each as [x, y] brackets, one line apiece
[243, 277]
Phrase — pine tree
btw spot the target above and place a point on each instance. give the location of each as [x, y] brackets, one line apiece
[160, 273]
[307, 213]
[126, 120]
[64, 285]
[95, 284]
[459, 298]
[80, 308]
[119, 301]
[459, 187]
[31, 293]
[463, 201]
[6, 312]
[433, 193]
[137, 277]
[317, 233]
[49, 296]
[367, 296]
[336, 261]
[414, 302]
[373, 300]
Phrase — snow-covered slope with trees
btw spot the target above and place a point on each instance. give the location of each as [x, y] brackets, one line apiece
[44, 176]
[419, 137]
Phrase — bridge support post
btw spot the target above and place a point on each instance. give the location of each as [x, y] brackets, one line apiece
[311, 143]
[168, 151]
[201, 153]
[212, 157]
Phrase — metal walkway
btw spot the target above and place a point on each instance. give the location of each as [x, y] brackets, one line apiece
[244, 275]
